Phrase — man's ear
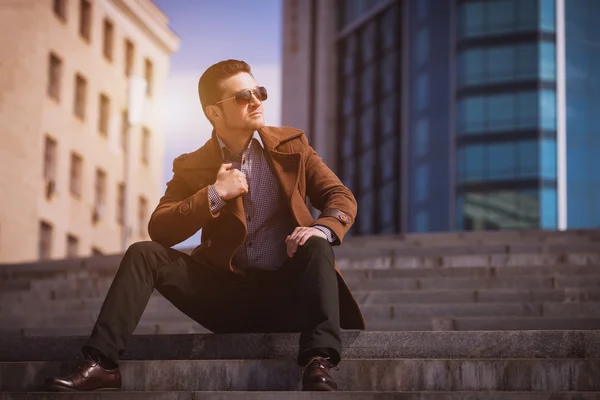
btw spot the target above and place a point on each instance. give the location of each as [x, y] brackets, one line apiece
[213, 113]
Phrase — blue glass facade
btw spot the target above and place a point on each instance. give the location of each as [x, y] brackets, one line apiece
[448, 113]
[429, 145]
[582, 35]
[506, 115]
[369, 70]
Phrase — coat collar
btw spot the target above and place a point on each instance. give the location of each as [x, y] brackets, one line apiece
[222, 145]
[209, 156]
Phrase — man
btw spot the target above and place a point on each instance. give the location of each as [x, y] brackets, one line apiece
[263, 265]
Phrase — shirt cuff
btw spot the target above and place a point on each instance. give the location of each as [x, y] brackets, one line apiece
[215, 202]
[331, 237]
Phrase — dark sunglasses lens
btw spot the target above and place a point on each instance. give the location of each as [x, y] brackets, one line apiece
[243, 97]
[261, 93]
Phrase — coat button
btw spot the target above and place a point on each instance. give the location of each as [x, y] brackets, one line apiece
[209, 243]
[185, 207]
[343, 218]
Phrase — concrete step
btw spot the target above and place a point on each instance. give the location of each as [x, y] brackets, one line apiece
[478, 238]
[552, 310]
[182, 325]
[16, 277]
[358, 279]
[476, 296]
[143, 328]
[482, 324]
[257, 395]
[158, 303]
[384, 259]
[356, 344]
[353, 375]
[472, 272]
[501, 282]
[447, 249]
[372, 313]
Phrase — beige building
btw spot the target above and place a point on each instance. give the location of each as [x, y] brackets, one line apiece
[64, 69]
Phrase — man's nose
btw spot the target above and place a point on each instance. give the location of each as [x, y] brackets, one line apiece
[255, 100]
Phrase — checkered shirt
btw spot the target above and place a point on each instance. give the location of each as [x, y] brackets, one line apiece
[268, 217]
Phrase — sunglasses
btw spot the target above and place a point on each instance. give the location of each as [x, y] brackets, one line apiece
[244, 97]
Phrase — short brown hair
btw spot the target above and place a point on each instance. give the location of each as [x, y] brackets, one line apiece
[208, 85]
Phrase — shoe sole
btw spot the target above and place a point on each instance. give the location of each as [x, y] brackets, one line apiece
[67, 389]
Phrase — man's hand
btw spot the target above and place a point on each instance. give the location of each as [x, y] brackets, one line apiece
[299, 237]
[230, 182]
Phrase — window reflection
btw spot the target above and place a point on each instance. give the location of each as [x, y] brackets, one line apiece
[421, 183]
[507, 63]
[366, 216]
[388, 203]
[547, 15]
[421, 142]
[503, 209]
[422, 91]
[506, 161]
[507, 112]
[498, 17]
[421, 222]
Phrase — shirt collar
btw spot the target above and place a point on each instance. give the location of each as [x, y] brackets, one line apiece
[255, 136]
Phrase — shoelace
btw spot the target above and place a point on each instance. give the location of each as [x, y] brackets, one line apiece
[84, 360]
[320, 361]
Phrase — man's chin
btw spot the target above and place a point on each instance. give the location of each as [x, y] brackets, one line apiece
[259, 123]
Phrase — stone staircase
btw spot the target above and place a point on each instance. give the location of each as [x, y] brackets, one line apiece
[494, 315]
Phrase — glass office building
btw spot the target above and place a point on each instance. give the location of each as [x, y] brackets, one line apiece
[464, 114]
[506, 126]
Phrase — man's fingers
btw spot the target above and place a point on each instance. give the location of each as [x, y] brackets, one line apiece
[291, 248]
[307, 234]
[225, 167]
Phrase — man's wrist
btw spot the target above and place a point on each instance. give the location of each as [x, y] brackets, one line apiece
[215, 201]
[329, 235]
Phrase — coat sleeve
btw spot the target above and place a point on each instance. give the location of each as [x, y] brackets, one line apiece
[328, 194]
[180, 213]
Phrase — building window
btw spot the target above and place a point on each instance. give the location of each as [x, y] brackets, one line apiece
[99, 194]
[54, 75]
[60, 9]
[108, 39]
[142, 215]
[49, 159]
[104, 115]
[85, 19]
[145, 153]
[96, 252]
[72, 246]
[80, 96]
[45, 244]
[129, 57]
[124, 130]
[506, 112]
[368, 159]
[76, 175]
[496, 18]
[505, 161]
[504, 64]
[148, 74]
[120, 203]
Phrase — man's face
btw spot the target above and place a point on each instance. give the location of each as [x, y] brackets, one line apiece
[240, 117]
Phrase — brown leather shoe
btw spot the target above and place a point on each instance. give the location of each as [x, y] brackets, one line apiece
[88, 376]
[316, 377]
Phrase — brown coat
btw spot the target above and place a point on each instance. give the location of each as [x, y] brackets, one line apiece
[184, 208]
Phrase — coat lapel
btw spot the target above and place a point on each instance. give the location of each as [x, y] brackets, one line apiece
[286, 166]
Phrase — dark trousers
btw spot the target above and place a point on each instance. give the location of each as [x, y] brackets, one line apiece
[301, 296]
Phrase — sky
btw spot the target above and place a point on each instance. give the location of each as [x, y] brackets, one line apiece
[212, 31]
